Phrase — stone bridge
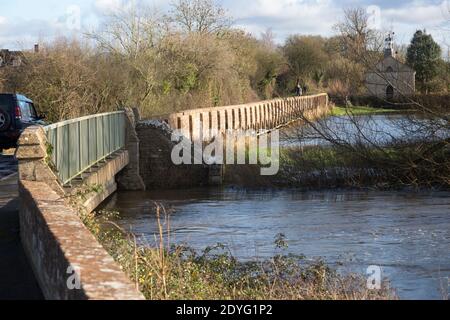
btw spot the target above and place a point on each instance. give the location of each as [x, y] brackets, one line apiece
[72, 166]
[259, 116]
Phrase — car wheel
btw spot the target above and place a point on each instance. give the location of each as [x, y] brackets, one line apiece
[4, 120]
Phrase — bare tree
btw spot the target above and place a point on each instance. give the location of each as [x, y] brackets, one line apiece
[129, 38]
[128, 31]
[202, 16]
[268, 39]
[356, 37]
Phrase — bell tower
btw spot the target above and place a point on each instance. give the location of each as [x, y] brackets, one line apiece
[389, 50]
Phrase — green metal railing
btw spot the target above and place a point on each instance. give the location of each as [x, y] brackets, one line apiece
[79, 144]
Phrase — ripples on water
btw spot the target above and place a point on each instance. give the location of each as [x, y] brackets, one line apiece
[407, 234]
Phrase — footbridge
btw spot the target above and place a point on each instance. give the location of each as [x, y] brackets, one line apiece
[70, 168]
[259, 116]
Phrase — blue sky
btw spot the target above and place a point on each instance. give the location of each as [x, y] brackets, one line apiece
[24, 22]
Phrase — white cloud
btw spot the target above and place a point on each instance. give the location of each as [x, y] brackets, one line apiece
[278, 8]
[22, 33]
[405, 20]
[416, 14]
[108, 6]
[445, 7]
[105, 7]
[286, 16]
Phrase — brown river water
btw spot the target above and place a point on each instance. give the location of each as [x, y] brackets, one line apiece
[406, 234]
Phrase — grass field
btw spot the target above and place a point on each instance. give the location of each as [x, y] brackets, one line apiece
[359, 110]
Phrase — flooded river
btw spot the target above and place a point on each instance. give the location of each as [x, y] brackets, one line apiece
[406, 234]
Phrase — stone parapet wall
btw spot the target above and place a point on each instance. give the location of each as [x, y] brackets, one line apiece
[156, 167]
[33, 161]
[198, 124]
[63, 252]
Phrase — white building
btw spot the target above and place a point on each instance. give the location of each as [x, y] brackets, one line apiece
[390, 79]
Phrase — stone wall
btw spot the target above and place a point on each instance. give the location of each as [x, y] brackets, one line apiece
[102, 175]
[32, 157]
[156, 167]
[198, 124]
[63, 252]
[130, 177]
[54, 237]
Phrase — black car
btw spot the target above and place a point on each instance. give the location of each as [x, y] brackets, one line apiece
[16, 113]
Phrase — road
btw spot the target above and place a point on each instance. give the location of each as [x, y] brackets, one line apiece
[17, 281]
[8, 166]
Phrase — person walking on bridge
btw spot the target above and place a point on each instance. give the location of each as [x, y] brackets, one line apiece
[298, 89]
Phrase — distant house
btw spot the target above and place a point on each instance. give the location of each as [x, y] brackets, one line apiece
[11, 58]
[391, 78]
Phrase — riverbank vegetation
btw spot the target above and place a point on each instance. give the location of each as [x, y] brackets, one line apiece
[192, 56]
[397, 167]
[357, 149]
[391, 167]
[164, 271]
[359, 110]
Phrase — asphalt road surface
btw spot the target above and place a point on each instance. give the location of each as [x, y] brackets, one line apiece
[17, 281]
[8, 166]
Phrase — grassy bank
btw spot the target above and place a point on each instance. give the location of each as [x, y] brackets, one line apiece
[360, 110]
[421, 165]
[163, 271]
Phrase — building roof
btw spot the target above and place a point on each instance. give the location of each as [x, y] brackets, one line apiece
[10, 58]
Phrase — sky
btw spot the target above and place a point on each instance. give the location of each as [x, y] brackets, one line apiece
[25, 22]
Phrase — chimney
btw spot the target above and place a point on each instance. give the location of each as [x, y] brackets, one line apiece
[36, 48]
